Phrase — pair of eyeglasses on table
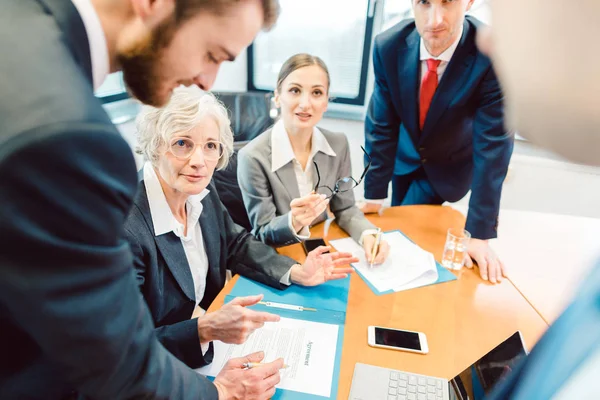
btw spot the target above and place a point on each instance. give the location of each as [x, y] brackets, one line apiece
[341, 185]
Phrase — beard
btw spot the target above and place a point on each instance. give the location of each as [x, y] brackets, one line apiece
[141, 64]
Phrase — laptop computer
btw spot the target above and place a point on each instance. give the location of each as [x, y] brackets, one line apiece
[375, 383]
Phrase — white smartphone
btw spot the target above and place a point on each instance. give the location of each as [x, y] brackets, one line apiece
[396, 339]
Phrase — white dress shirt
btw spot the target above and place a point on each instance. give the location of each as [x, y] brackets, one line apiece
[164, 222]
[97, 40]
[424, 55]
[306, 177]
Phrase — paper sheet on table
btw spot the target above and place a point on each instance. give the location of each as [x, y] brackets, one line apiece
[308, 348]
[406, 267]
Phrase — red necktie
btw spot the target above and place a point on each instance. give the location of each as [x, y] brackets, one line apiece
[428, 86]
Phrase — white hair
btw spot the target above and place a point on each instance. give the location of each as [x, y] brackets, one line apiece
[186, 108]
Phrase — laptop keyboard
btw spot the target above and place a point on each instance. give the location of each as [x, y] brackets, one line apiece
[405, 386]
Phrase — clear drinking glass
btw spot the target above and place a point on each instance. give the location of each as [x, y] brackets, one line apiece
[455, 249]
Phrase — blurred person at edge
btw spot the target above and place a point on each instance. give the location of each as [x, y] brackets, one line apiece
[551, 82]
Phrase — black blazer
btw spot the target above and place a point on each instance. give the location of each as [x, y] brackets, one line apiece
[165, 279]
[464, 144]
[71, 315]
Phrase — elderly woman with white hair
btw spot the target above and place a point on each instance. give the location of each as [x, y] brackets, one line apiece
[183, 240]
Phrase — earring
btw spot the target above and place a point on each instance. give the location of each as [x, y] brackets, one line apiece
[273, 111]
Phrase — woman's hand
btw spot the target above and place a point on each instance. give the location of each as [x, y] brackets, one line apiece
[382, 252]
[321, 267]
[306, 209]
[233, 322]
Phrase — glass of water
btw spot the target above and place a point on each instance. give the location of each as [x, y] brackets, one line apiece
[455, 249]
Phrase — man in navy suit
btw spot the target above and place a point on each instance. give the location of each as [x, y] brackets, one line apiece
[73, 322]
[552, 83]
[435, 122]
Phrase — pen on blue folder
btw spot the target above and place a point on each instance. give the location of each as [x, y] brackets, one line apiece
[250, 365]
[286, 306]
[375, 247]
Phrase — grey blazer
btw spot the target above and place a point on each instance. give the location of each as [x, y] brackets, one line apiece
[267, 195]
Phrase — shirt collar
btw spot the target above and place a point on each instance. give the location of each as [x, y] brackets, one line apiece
[446, 55]
[281, 147]
[162, 217]
[97, 40]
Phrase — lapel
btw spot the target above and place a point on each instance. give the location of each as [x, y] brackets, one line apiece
[211, 236]
[287, 176]
[326, 164]
[70, 22]
[452, 81]
[408, 68]
[170, 248]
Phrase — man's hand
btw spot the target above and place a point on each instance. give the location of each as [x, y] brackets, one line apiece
[321, 267]
[382, 253]
[258, 383]
[488, 262]
[306, 209]
[369, 208]
[233, 322]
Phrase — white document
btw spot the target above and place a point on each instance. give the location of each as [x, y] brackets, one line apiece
[308, 348]
[407, 266]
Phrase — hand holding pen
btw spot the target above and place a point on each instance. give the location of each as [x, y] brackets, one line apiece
[376, 248]
[238, 381]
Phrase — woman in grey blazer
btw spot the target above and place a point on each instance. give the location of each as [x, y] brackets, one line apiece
[279, 171]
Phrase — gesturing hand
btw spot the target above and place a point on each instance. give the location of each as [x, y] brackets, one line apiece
[321, 267]
[233, 322]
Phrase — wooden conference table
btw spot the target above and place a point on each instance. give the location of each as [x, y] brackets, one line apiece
[462, 319]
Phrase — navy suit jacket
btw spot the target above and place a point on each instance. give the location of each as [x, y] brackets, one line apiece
[564, 348]
[463, 143]
[71, 315]
[165, 279]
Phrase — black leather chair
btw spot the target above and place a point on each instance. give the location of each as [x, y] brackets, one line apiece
[249, 113]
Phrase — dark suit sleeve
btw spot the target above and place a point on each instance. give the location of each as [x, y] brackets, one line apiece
[381, 133]
[67, 279]
[181, 339]
[250, 257]
[492, 149]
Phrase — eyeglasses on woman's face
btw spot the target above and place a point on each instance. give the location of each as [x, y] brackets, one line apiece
[183, 148]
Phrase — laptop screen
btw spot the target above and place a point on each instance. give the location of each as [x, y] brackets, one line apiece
[479, 379]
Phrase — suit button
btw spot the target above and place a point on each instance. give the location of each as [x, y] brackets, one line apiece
[421, 149]
[423, 161]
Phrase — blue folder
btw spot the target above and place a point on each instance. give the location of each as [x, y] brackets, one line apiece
[330, 300]
[443, 275]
